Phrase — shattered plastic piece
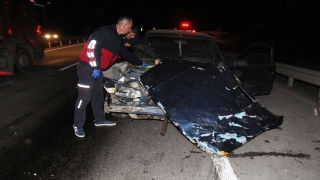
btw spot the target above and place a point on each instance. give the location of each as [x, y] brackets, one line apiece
[207, 105]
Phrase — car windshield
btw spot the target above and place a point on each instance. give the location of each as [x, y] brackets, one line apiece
[185, 48]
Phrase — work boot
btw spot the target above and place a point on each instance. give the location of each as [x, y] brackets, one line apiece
[78, 131]
[104, 123]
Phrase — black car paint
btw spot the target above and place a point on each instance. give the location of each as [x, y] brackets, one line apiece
[257, 77]
[255, 68]
[207, 105]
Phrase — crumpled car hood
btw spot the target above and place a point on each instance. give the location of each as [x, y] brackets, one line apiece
[207, 105]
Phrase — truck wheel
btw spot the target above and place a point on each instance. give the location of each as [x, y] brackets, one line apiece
[23, 61]
[119, 115]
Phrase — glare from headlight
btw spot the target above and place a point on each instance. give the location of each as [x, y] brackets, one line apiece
[49, 36]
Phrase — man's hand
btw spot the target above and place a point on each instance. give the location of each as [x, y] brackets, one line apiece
[157, 61]
[143, 65]
[95, 74]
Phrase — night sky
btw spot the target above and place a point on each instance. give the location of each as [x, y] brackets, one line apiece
[293, 25]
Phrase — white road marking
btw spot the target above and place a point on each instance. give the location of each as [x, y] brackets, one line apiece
[69, 66]
[224, 169]
[64, 48]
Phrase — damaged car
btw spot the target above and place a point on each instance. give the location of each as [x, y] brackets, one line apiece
[193, 90]
[254, 66]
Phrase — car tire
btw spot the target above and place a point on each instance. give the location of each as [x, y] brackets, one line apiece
[119, 115]
[23, 61]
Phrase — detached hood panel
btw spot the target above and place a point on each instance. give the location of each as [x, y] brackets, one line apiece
[207, 105]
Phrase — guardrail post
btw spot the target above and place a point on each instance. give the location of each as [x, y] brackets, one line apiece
[62, 41]
[290, 81]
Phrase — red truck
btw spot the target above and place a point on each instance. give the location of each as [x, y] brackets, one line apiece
[20, 35]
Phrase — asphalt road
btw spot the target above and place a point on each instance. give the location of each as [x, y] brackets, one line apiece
[38, 142]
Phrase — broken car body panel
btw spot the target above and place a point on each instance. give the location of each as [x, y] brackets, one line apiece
[207, 104]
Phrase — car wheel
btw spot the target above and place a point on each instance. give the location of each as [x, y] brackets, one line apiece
[23, 61]
[119, 115]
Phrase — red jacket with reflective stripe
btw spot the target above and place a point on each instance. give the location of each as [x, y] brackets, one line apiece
[104, 47]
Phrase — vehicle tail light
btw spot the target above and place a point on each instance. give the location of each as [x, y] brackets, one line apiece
[4, 73]
[9, 30]
[185, 25]
[39, 30]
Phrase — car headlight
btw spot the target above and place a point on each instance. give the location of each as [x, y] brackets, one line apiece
[49, 36]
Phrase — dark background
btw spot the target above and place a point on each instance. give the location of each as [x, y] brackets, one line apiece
[292, 25]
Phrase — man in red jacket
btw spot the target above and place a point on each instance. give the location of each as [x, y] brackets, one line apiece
[102, 49]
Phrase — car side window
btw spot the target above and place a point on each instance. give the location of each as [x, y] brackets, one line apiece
[258, 56]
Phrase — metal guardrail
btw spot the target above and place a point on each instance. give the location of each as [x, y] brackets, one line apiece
[302, 74]
[306, 75]
[61, 41]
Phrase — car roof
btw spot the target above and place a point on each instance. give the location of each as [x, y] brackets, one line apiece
[172, 32]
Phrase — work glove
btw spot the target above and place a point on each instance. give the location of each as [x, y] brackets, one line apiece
[143, 65]
[95, 74]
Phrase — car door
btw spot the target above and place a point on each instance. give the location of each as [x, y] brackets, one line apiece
[255, 68]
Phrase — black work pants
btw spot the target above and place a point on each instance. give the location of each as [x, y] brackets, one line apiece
[89, 89]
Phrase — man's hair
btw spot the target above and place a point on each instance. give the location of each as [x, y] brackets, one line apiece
[127, 18]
